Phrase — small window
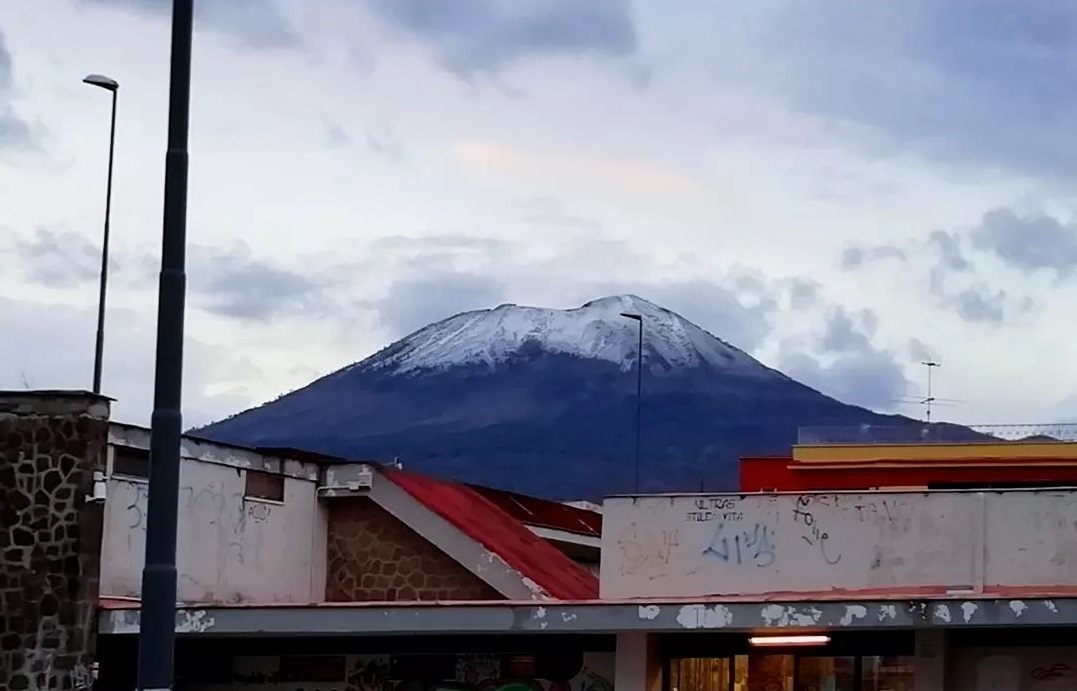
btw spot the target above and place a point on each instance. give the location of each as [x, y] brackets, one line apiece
[131, 462]
[262, 485]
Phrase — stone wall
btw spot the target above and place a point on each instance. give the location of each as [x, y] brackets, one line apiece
[372, 556]
[50, 536]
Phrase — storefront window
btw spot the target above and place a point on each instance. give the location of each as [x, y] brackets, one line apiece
[699, 674]
[792, 673]
[763, 673]
[826, 674]
[887, 673]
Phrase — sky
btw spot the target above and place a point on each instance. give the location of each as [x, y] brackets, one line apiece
[842, 189]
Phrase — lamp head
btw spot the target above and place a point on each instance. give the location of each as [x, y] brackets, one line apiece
[100, 80]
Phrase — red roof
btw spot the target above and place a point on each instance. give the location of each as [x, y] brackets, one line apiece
[495, 529]
[543, 513]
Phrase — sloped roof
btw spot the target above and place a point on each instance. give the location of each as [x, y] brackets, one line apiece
[496, 530]
[544, 513]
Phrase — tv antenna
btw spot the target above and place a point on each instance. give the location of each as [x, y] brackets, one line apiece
[930, 401]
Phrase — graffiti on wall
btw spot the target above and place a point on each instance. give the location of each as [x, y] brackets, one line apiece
[761, 543]
[375, 673]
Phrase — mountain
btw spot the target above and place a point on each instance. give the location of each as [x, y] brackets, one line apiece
[543, 401]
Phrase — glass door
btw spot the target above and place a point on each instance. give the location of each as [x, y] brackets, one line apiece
[826, 674]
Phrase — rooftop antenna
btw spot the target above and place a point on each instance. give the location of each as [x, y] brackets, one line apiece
[929, 399]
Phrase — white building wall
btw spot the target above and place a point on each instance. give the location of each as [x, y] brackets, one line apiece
[230, 548]
[683, 546]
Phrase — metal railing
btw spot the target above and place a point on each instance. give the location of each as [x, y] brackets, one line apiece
[937, 433]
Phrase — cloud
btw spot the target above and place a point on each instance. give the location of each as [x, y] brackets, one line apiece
[842, 361]
[485, 36]
[412, 303]
[225, 281]
[257, 23]
[548, 211]
[232, 282]
[842, 334]
[982, 83]
[15, 131]
[54, 258]
[951, 261]
[855, 257]
[1029, 243]
[948, 245]
[50, 346]
[979, 305]
[803, 293]
[740, 316]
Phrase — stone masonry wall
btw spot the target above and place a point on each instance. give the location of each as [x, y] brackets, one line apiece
[50, 537]
[374, 557]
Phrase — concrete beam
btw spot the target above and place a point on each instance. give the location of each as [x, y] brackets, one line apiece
[604, 617]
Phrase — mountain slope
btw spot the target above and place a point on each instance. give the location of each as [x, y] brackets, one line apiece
[543, 401]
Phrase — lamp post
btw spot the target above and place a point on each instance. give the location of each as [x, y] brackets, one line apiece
[157, 624]
[111, 85]
[639, 385]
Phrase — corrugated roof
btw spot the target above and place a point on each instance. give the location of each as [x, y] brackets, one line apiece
[544, 513]
[496, 530]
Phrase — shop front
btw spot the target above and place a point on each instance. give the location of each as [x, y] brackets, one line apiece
[866, 661]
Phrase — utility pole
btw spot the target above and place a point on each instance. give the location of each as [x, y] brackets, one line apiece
[638, 318]
[157, 621]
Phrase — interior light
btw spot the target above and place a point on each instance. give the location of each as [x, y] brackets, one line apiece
[785, 641]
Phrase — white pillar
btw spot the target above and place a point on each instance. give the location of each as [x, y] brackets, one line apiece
[930, 663]
[638, 666]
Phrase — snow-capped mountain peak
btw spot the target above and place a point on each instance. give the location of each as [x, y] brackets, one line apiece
[595, 330]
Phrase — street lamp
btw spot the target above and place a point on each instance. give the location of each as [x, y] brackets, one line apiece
[108, 84]
[639, 384]
[157, 623]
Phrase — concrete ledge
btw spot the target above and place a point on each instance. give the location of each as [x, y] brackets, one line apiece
[54, 403]
[603, 617]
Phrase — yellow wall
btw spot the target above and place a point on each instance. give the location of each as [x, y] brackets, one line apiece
[836, 453]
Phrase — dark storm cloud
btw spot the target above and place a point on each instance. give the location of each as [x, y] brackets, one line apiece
[1029, 243]
[415, 302]
[15, 131]
[976, 82]
[475, 36]
[258, 23]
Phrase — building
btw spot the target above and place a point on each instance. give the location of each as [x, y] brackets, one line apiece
[265, 527]
[301, 572]
[935, 456]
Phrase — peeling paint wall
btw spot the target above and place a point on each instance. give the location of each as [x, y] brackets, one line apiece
[230, 548]
[759, 544]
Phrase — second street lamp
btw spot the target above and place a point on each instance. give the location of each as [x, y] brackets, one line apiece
[112, 86]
